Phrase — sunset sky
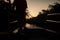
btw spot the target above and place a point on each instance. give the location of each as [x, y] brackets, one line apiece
[35, 6]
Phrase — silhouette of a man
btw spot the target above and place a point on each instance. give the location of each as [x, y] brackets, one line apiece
[21, 6]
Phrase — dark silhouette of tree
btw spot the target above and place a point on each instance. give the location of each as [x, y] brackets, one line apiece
[55, 8]
[7, 11]
[3, 15]
[54, 17]
[41, 19]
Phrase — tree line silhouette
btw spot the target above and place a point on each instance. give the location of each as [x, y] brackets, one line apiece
[52, 14]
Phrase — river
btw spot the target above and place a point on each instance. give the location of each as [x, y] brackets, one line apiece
[31, 26]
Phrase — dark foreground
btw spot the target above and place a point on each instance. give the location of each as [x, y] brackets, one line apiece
[34, 34]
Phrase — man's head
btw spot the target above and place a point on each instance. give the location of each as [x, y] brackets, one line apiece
[22, 4]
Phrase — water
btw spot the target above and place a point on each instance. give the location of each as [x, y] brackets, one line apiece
[31, 26]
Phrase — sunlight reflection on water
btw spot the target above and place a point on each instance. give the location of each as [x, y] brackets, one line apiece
[28, 26]
[31, 26]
